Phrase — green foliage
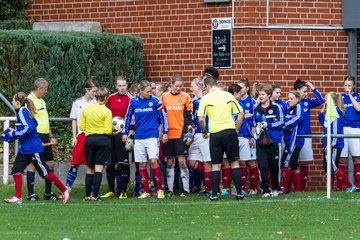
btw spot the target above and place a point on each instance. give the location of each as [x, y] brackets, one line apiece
[13, 9]
[15, 24]
[66, 61]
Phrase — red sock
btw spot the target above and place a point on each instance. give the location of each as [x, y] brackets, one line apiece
[254, 178]
[339, 180]
[18, 184]
[286, 175]
[156, 172]
[243, 177]
[54, 179]
[144, 176]
[296, 177]
[199, 167]
[226, 177]
[357, 174]
[341, 174]
[304, 173]
[207, 180]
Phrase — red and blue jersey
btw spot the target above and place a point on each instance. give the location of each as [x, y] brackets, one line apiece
[248, 104]
[146, 113]
[351, 116]
[306, 105]
[336, 127]
[25, 131]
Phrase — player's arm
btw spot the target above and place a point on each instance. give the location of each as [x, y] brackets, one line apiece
[188, 114]
[73, 131]
[128, 119]
[201, 117]
[355, 103]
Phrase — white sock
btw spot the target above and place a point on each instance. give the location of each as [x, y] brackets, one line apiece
[170, 176]
[184, 173]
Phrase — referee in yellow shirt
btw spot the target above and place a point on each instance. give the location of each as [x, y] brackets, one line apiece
[96, 122]
[42, 117]
[220, 106]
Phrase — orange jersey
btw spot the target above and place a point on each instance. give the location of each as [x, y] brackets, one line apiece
[178, 110]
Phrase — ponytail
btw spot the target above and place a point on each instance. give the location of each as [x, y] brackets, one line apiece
[25, 101]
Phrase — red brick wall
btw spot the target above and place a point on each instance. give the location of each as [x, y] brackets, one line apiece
[177, 34]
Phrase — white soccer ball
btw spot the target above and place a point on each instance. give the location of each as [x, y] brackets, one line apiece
[118, 124]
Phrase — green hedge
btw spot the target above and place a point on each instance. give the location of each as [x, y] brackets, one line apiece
[16, 24]
[65, 60]
[13, 9]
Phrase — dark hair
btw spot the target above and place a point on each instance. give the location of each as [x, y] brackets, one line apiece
[275, 86]
[255, 90]
[234, 88]
[211, 71]
[299, 84]
[246, 82]
[143, 84]
[90, 83]
[24, 100]
[350, 78]
[210, 81]
[134, 87]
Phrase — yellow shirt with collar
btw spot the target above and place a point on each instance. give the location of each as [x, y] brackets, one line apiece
[41, 115]
[219, 106]
[96, 119]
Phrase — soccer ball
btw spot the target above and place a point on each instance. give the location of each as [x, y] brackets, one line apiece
[118, 124]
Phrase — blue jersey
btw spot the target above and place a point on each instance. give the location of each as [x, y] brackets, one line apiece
[337, 127]
[351, 116]
[306, 105]
[248, 104]
[294, 126]
[25, 131]
[146, 113]
[274, 118]
[195, 119]
[283, 105]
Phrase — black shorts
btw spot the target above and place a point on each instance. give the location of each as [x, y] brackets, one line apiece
[225, 141]
[174, 148]
[118, 152]
[97, 150]
[37, 159]
[48, 153]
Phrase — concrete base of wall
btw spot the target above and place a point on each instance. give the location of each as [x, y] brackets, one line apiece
[68, 26]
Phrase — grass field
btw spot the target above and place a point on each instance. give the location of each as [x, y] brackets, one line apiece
[291, 216]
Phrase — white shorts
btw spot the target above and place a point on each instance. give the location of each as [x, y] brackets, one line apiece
[246, 152]
[199, 149]
[351, 145]
[145, 149]
[306, 153]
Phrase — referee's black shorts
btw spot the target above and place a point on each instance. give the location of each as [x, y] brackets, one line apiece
[118, 152]
[224, 141]
[97, 150]
[48, 152]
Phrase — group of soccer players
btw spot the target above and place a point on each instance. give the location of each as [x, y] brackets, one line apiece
[161, 123]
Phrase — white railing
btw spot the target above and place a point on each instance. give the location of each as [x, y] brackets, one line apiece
[6, 145]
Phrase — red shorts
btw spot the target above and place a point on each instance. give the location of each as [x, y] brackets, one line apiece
[78, 153]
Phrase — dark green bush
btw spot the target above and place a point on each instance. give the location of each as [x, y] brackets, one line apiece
[15, 24]
[65, 60]
[13, 9]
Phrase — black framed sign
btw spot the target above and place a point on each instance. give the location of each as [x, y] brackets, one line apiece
[221, 42]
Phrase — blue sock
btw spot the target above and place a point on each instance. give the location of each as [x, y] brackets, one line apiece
[71, 176]
[137, 182]
[191, 178]
[117, 180]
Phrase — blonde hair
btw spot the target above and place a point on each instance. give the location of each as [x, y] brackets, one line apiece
[338, 101]
[22, 98]
[102, 94]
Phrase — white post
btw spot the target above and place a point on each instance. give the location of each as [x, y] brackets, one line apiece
[6, 157]
[328, 157]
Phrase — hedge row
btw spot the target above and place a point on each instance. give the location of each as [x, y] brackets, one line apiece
[65, 60]
[16, 24]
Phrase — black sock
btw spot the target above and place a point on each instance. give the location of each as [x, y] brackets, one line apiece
[124, 176]
[89, 181]
[110, 176]
[97, 183]
[30, 179]
[236, 177]
[48, 185]
[215, 182]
